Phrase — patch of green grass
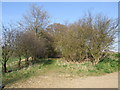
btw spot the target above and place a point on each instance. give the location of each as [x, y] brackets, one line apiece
[117, 55]
[43, 66]
[88, 69]
[107, 66]
[27, 72]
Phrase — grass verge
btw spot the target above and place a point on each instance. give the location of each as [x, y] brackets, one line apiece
[59, 66]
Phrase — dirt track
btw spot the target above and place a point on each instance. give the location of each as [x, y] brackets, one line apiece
[60, 81]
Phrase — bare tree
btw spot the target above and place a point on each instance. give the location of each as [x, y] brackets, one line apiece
[102, 37]
[33, 23]
[7, 46]
[18, 46]
[90, 37]
[36, 19]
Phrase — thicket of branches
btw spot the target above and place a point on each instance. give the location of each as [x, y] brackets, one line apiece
[89, 38]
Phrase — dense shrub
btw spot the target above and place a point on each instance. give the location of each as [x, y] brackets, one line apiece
[107, 65]
[117, 55]
[87, 39]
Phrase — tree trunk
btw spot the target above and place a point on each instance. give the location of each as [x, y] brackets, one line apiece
[4, 68]
[96, 61]
[19, 63]
[32, 58]
[26, 61]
